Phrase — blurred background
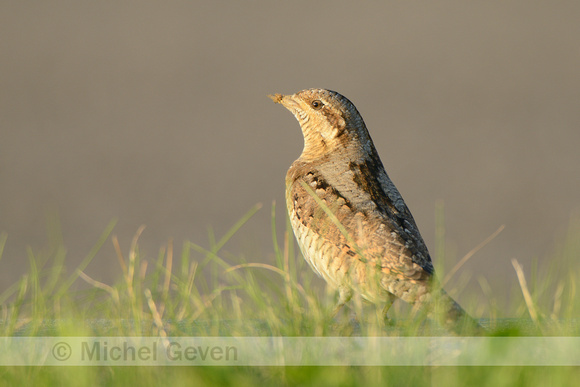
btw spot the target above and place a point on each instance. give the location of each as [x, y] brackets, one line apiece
[156, 113]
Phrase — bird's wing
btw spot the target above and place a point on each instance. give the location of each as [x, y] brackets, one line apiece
[390, 209]
[381, 233]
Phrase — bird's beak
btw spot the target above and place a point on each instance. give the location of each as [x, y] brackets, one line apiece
[277, 98]
[286, 100]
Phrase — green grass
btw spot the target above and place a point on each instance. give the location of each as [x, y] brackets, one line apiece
[195, 290]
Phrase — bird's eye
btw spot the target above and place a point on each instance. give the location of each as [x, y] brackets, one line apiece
[316, 104]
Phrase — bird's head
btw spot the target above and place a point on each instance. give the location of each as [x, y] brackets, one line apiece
[329, 121]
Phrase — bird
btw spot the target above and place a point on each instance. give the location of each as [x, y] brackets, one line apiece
[350, 221]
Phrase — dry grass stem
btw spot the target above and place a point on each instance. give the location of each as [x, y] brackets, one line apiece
[470, 254]
[525, 291]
